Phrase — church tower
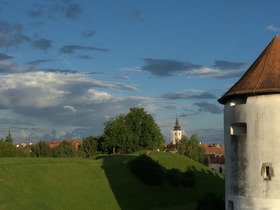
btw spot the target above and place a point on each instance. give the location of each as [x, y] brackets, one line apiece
[177, 133]
[252, 135]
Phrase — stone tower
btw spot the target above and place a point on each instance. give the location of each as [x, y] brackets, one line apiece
[177, 133]
[252, 135]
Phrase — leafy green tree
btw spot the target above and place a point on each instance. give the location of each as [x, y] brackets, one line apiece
[42, 149]
[146, 133]
[89, 147]
[134, 131]
[181, 146]
[195, 151]
[192, 149]
[117, 135]
[64, 149]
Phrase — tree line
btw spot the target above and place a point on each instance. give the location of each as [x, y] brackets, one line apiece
[125, 133]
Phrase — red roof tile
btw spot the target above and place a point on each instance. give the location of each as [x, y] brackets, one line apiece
[263, 76]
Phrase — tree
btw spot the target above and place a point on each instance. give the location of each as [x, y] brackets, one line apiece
[146, 133]
[89, 147]
[9, 138]
[117, 135]
[134, 131]
[195, 151]
[192, 149]
[64, 149]
[42, 149]
[7, 149]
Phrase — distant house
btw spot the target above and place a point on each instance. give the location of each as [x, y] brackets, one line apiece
[216, 153]
[74, 142]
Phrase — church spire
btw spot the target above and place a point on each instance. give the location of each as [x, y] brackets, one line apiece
[177, 126]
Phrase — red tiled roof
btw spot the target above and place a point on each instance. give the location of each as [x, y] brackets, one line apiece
[74, 142]
[263, 76]
[214, 149]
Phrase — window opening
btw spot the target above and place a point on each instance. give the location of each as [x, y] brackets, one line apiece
[267, 171]
[230, 205]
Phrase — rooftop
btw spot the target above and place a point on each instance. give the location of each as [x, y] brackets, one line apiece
[262, 77]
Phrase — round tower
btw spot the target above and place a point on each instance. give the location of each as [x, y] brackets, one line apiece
[252, 135]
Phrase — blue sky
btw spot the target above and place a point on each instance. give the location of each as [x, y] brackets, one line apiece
[68, 66]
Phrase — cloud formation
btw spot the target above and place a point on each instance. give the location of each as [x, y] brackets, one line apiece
[71, 49]
[42, 44]
[204, 106]
[39, 61]
[60, 99]
[72, 11]
[5, 56]
[11, 34]
[52, 10]
[166, 67]
[189, 94]
[227, 65]
[273, 28]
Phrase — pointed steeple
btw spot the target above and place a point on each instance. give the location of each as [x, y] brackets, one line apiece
[177, 126]
[263, 76]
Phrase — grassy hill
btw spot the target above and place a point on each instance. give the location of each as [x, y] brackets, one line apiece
[101, 183]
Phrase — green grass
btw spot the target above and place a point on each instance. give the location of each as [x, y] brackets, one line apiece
[101, 183]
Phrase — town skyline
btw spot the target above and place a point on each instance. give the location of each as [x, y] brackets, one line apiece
[66, 67]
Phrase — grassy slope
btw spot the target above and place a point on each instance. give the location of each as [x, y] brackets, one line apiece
[104, 183]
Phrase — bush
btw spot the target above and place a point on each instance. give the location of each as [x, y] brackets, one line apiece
[64, 149]
[188, 179]
[147, 169]
[211, 202]
[7, 149]
[174, 176]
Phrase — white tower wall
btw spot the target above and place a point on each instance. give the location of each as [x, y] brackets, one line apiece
[252, 147]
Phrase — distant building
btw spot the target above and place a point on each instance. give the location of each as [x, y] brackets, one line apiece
[216, 154]
[74, 142]
[177, 133]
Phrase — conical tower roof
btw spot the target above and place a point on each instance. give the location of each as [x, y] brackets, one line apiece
[263, 76]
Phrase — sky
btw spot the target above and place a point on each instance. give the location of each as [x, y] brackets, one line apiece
[67, 66]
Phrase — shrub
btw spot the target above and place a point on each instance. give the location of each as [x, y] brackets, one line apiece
[64, 149]
[211, 202]
[174, 176]
[147, 169]
[188, 179]
[7, 149]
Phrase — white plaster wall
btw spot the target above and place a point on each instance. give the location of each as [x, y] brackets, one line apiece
[245, 153]
[216, 167]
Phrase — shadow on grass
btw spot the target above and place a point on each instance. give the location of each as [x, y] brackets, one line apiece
[131, 193]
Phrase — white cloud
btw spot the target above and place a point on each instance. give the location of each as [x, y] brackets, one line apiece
[70, 108]
[65, 101]
[273, 28]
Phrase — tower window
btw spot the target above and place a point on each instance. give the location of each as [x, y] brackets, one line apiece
[267, 171]
[238, 128]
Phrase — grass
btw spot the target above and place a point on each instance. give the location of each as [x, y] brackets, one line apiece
[101, 183]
